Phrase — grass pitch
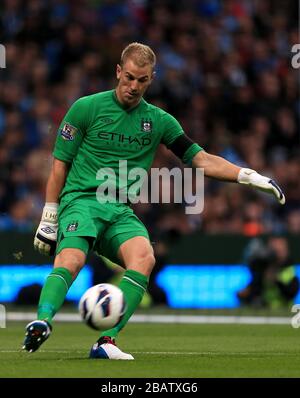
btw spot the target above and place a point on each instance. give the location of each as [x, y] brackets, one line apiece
[160, 350]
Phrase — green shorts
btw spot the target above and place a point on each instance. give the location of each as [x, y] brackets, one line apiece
[106, 226]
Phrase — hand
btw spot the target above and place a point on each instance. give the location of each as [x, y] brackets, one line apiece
[265, 184]
[46, 234]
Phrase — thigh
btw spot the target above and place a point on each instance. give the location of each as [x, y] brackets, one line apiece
[121, 230]
[76, 221]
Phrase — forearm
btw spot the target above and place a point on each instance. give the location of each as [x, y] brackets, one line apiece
[216, 167]
[46, 234]
[221, 169]
[56, 181]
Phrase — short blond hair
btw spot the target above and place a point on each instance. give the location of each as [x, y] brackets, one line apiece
[141, 55]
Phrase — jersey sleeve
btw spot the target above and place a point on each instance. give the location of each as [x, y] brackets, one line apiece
[190, 153]
[71, 131]
[172, 131]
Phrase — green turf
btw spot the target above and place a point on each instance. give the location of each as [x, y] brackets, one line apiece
[159, 351]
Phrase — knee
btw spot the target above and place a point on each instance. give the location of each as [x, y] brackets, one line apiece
[71, 259]
[149, 261]
[144, 263]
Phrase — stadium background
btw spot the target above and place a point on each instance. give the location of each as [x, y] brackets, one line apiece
[224, 70]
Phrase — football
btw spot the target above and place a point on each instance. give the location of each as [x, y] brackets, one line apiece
[102, 306]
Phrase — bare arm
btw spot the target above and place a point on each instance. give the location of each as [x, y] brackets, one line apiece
[216, 167]
[221, 169]
[46, 234]
[56, 180]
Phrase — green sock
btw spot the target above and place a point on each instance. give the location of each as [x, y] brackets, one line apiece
[133, 285]
[53, 293]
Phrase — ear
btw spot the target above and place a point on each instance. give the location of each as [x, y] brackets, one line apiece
[153, 76]
[118, 71]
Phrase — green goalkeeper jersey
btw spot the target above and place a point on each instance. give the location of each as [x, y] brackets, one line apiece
[98, 131]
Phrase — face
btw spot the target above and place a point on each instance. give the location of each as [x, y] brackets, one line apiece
[133, 82]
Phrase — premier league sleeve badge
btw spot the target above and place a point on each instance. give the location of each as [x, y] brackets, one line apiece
[68, 132]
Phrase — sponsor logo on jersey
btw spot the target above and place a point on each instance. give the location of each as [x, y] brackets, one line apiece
[106, 120]
[68, 132]
[146, 125]
[122, 138]
[72, 227]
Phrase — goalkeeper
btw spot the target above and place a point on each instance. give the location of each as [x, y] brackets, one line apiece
[97, 132]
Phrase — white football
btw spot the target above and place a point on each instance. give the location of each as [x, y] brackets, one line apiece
[102, 306]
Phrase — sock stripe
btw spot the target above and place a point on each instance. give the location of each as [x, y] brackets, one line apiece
[61, 277]
[134, 282]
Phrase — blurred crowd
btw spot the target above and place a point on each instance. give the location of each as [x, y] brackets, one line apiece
[224, 71]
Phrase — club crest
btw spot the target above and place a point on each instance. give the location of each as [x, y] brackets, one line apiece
[146, 125]
[72, 227]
